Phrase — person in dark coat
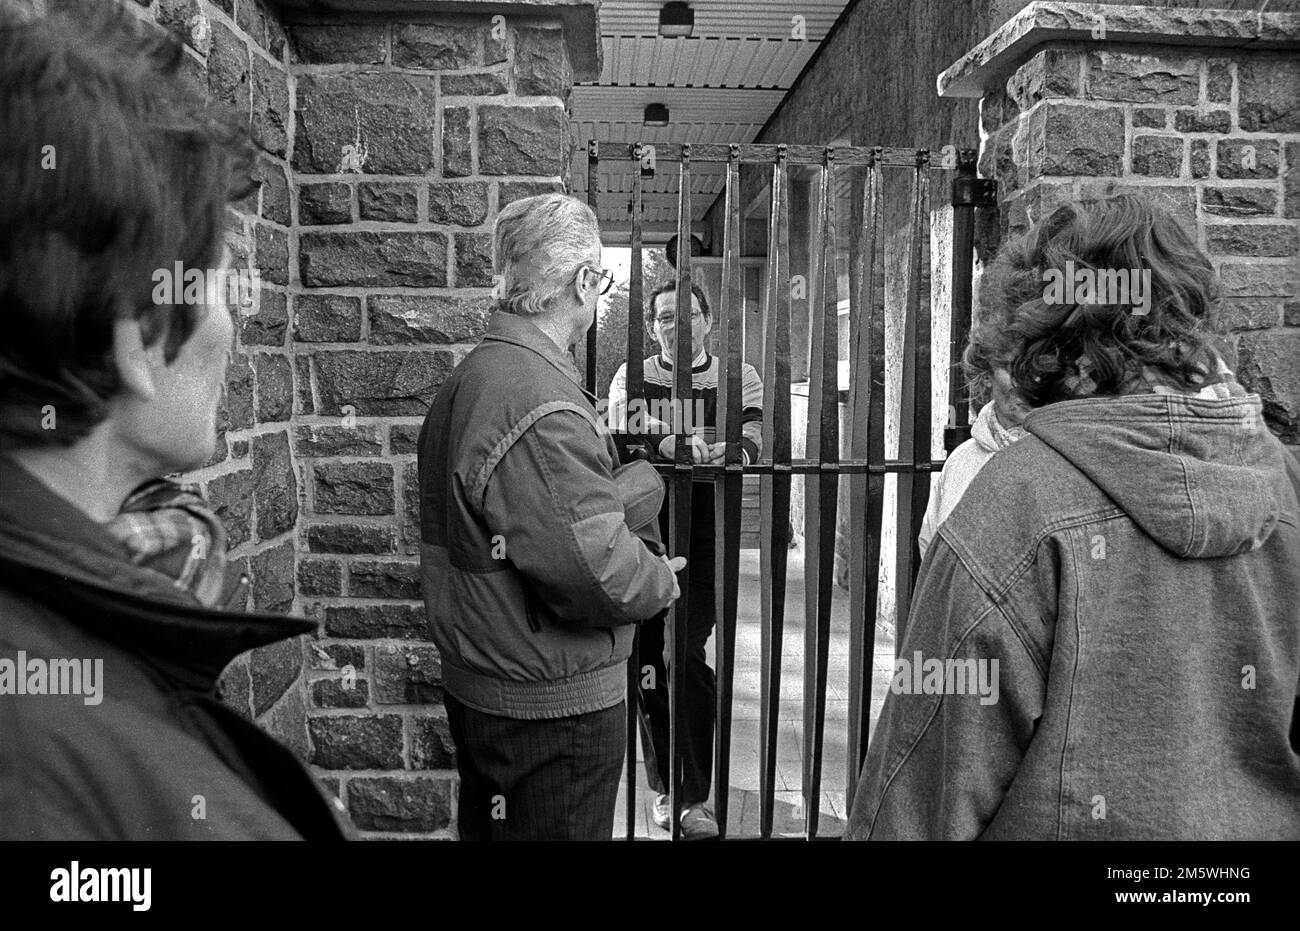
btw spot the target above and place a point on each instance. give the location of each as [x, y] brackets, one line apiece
[112, 635]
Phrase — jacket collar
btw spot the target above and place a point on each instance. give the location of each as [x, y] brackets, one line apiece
[72, 564]
[511, 328]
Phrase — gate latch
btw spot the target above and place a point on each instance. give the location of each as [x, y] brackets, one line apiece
[974, 192]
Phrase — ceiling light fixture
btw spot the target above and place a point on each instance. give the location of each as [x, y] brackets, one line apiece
[676, 20]
[656, 114]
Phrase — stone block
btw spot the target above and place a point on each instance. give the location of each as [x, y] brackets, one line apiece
[320, 577]
[1127, 76]
[442, 46]
[356, 741]
[389, 203]
[326, 318]
[367, 258]
[541, 63]
[522, 140]
[364, 488]
[340, 43]
[407, 674]
[458, 203]
[275, 485]
[268, 326]
[391, 804]
[274, 388]
[472, 260]
[360, 622]
[351, 538]
[321, 204]
[420, 319]
[393, 115]
[273, 669]
[384, 580]
[319, 440]
[385, 384]
[1158, 156]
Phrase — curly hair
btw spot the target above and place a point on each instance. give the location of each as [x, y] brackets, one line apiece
[1057, 351]
[143, 171]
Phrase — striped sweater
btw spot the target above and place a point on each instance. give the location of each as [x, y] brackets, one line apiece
[655, 414]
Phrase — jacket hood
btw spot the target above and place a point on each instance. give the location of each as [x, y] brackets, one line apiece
[989, 432]
[54, 551]
[1203, 478]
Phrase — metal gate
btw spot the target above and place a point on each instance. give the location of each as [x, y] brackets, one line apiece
[864, 467]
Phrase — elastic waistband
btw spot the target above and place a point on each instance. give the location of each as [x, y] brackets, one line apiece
[551, 698]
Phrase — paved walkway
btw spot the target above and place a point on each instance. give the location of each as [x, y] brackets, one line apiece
[788, 815]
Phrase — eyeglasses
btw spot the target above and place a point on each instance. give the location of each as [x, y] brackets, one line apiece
[671, 319]
[607, 278]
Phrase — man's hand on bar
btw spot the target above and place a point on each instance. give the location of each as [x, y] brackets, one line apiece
[700, 450]
[677, 564]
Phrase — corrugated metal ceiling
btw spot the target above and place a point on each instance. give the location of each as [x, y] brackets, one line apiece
[720, 85]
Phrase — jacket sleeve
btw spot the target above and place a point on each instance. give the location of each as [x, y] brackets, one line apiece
[939, 765]
[552, 498]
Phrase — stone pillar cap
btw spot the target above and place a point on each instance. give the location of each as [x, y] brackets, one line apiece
[581, 19]
[1012, 43]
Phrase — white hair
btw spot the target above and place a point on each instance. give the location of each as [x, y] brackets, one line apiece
[541, 242]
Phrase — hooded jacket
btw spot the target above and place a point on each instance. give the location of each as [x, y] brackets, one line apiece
[136, 746]
[987, 436]
[1133, 569]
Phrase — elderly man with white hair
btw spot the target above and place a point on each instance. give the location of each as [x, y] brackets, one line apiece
[533, 578]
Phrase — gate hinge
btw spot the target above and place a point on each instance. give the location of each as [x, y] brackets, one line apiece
[974, 192]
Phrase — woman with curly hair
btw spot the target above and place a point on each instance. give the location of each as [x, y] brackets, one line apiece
[1127, 575]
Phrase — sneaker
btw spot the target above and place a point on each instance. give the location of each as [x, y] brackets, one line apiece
[698, 823]
[662, 814]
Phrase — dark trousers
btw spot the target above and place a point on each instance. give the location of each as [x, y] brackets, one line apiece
[552, 779]
[699, 683]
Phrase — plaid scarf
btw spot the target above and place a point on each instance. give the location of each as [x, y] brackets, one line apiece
[168, 527]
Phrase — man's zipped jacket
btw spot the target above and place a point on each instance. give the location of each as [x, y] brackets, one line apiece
[532, 578]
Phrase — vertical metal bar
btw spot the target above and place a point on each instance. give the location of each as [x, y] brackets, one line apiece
[680, 519]
[635, 394]
[635, 293]
[867, 368]
[963, 264]
[913, 427]
[774, 486]
[728, 487]
[922, 424]
[593, 196]
[821, 490]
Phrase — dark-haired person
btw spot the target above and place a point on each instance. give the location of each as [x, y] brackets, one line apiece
[109, 649]
[651, 420]
[1127, 576]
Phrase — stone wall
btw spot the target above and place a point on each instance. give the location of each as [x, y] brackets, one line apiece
[409, 136]
[1211, 132]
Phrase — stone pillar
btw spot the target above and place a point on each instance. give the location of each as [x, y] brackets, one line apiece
[1196, 109]
[410, 132]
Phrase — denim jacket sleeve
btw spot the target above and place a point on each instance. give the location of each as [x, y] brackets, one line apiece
[553, 500]
[946, 750]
